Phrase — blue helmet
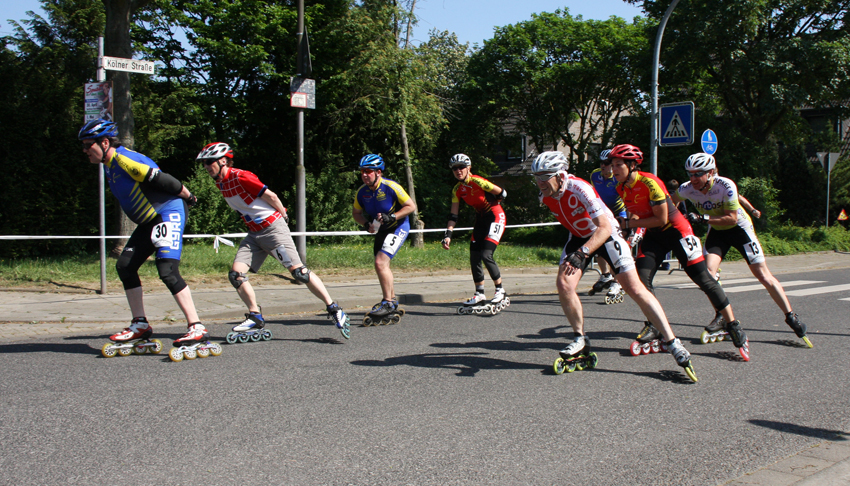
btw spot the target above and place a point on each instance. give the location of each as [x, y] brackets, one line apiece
[98, 128]
[372, 161]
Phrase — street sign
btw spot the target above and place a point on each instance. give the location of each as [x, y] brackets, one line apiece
[97, 101]
[709, 142]
[303, 93]
[677, 124]
[127, 65]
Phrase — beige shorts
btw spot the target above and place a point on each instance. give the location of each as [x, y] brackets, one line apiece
[275, 241]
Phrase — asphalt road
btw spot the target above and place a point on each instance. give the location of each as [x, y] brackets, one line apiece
[437, 399]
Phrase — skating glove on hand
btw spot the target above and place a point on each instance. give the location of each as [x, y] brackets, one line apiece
[694, 218]
[576, 259]
[388, 218]
[192, 200]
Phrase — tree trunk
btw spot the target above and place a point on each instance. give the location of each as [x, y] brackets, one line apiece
[415, 222]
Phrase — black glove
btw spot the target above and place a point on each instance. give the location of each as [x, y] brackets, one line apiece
[576, 259]
[448, 235]
[192, 200]
[694, 218]
[388, 218]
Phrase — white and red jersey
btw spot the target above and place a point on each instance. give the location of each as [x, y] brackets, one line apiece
[243, 191]
[577, 205]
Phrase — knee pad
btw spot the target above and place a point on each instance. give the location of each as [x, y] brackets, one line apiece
[301, 275]
[169, 273]
[128, 274]
[237, 279]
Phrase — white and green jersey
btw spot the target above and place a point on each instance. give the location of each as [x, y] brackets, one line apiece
[722, 196]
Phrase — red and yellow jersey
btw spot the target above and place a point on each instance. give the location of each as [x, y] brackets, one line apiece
[475, 191]
[647, 191]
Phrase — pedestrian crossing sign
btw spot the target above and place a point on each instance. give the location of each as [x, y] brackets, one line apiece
[677, 124]
[842, 216]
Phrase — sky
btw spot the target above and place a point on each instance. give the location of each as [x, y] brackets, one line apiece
[472, 20]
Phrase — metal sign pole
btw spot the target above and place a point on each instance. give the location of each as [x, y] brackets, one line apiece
[653, 146]
[101, 182]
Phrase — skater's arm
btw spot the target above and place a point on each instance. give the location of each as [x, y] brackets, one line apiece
[749, 207]
[274, 201]
[447, 239]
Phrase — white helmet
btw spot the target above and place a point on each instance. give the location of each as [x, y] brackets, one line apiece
[459, 159]
[604, 154]
[550, 163]
[699, 161]
[215, 150]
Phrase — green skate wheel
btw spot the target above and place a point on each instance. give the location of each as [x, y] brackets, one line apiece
[215, 349]
[571, 366]
[203, 352]
[594, 360]
[580, 364]
[157, 346]
[108, 350]
[125, 351]
[689, 370]
[231, 338]
[703, 338]
[808, 343]
[559, 366]
[175, 354]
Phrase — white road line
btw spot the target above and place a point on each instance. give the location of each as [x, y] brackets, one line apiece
[725, 282]
[790, 283]
[819, 290]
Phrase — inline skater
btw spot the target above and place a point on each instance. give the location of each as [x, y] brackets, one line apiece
[382, 207]
[667, 230]
[718, 203]
[606, 186]
[268, 234]
[158, 204]
[485, 197]
[593, 232]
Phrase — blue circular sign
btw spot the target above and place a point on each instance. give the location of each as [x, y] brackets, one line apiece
[709, 142]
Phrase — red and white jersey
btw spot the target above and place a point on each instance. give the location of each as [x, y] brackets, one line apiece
[243, 190]
[577, 205]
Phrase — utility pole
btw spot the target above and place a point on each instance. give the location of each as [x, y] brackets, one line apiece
[656, 55]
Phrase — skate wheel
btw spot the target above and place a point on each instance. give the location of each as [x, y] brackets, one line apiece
[580, 364]
[461, 311]
[157, 346]
[571, 366]
[190, 354]
[655, 347]
[689, 370]
[591, 292]
[721, 337]
[395, 319]
[745, 350]
[593, 361]
[635, 348]
[385, 321]
[400, 311]
[140, 348]
[703, 338]
[346, 332]
[664, 348]
[108, 350]
[243, 338]
[256, 337]
[559, 366]
[367, 321]
[215, 349]
[507, 301]
[713, 339]
[644, 348]
[203, 352]
[175, 354]
[231, 338]
[267, 335]
[808, 343]
[125, 351]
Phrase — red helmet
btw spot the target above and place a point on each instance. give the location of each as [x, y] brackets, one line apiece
[626, 152]
[215, 150]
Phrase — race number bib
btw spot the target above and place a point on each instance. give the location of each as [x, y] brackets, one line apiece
[619, 253]
[393, 242]
[282, 256]
[754, 253]
[692, 247]
[496, 231]
[167, 234]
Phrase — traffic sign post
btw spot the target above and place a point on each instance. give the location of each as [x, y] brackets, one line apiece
[677, 124]
[828, 160]
[709, 142]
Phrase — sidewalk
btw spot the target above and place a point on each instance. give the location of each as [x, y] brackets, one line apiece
[30, 313]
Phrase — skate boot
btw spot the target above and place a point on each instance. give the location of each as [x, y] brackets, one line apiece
[739, 338]
[477, 304]
[133, 339]
[615, 294]
[715, 330]
[251, 329]
[195, 343]
[648, 341]
[500, 300]
[799, 328]
[387, 312]
[576, 356]
[340, 319]
[605, 281]
[683, 358]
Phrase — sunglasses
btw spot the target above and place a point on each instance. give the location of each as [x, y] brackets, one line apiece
[698, 173]
[367, 171]
[605, 163]
[543, 177]
[87, 145]
[458, 167]
[207, 162]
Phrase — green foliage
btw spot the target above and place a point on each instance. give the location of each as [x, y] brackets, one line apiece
[764, 197]
[212, 214]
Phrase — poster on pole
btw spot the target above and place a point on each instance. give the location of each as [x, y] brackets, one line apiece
[98, 101]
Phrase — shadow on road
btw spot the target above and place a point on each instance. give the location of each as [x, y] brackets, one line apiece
[828, 434]
[47, 348]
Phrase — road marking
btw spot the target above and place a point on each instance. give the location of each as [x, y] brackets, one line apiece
[819, 290]
[790, 283]
[724, 282]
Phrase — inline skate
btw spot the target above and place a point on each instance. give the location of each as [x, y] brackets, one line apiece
[500, 301]
[132, 340]
[605, 281]
[615, 295]
[648, 341]
[683, 358]
[386, 312]
[340, 319]
[251, 329]
[739, 339]
[477, 304]
[576, 356]
[799, 328]
[194, 344]
[714, 331]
